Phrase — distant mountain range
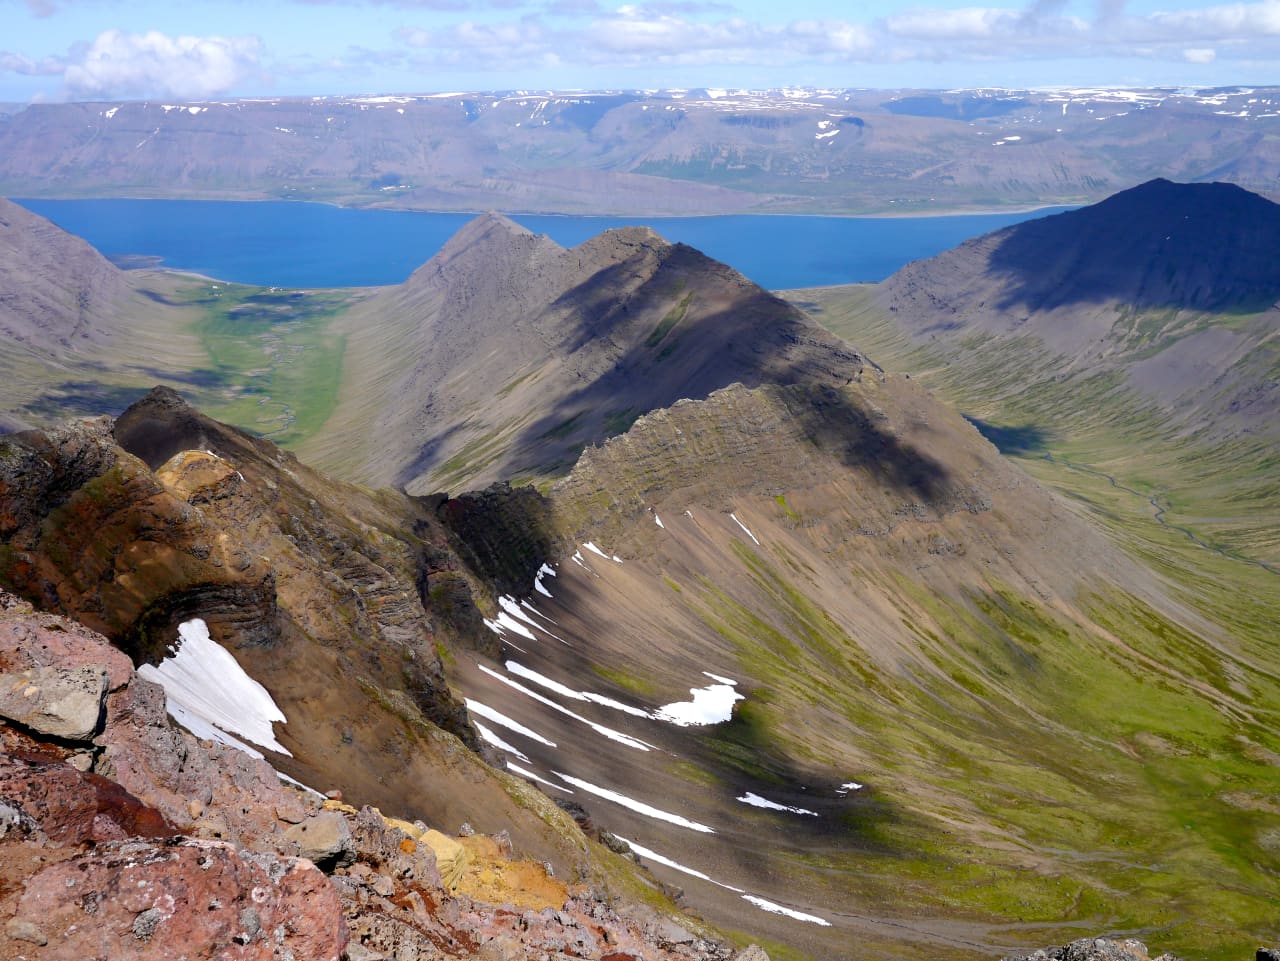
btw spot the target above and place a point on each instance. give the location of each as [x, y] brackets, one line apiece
[652, 152]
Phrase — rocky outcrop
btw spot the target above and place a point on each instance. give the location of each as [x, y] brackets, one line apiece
[199, 857]
[1094, 949]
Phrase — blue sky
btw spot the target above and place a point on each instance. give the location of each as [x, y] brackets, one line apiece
[112, 49]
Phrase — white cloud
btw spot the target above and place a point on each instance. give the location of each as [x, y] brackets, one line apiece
[699, 34]
[118, 64]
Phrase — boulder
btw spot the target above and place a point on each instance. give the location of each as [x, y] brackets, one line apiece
[325, 839]
[62, 703]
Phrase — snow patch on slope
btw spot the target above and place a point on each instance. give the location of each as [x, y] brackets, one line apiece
[210, 695]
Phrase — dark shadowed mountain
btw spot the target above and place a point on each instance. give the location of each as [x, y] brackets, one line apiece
[1172, 286]
[505, 354]
[1136, 337]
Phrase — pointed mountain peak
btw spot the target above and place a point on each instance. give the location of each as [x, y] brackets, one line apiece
[1206, 246]
[484, 243]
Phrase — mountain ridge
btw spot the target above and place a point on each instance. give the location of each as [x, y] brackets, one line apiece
[522, 352]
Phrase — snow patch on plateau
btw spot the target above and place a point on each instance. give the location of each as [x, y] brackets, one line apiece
[206, 688]
[848, 786]
[639, 807]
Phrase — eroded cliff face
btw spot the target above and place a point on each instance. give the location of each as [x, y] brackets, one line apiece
[322, 592]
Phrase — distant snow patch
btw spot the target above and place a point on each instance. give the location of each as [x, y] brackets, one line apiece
[111, 113]
[710, 705]
[499, 743]
[533, 777]
[755, 800]
[779, 909]
[658, 520]
[544, 571]
[600, 729]
[505, 622]
[485, 711]
[675, 865]
[639, 807]
[849, 786]
[595, 550]
[204, 686]
[542, 680]
[744, 527]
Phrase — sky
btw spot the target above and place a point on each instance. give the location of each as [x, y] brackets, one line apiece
[56, 50]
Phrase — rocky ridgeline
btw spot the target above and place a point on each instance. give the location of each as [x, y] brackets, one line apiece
[125, 837]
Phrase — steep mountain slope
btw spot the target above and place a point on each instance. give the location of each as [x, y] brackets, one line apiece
[1148, 315]
[55, 290]
[79, 335]
[932, 709]
[968, 719]
[505, 354]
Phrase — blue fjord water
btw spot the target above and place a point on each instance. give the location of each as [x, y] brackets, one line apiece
[290, 244]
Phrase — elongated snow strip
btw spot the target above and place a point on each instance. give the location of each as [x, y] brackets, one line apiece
[744, 527]
[514, 610]
[648, 810]
[498, 742]
[608, 732]
[755, 800]
[645, 852]
[533, 777]
[848, 786]
[202, 680]
[779, 909]
[658, 520]
[595, 550]
[518, 669]
[489, 714]
[505, 622]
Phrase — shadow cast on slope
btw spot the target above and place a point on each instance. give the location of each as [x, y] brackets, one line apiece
[1019, 441]
[1159, 245]
[747, 336]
